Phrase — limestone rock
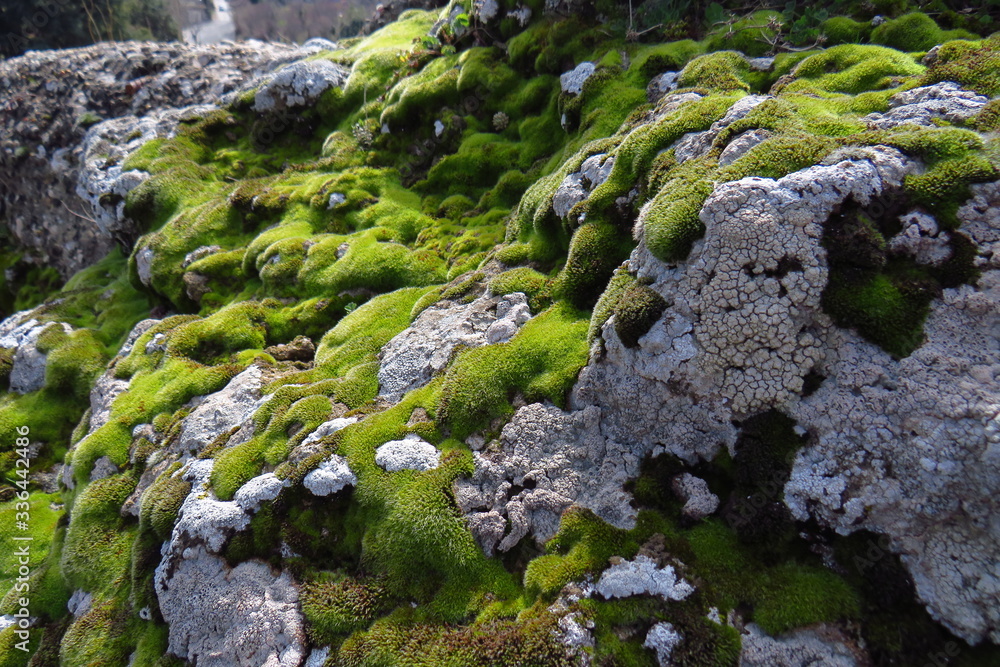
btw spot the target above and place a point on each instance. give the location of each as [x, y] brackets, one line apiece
[331, 476]
[921, 239]
[741, 145]
[221, 411]
[415, 355]
[800, 648]
[922, 106]
[663, 638]
[699, 502]
[660, 85]
[557, 459]
[218, 616]
[260, 489]
[642, 576]
[573, 80]
[298, 84]
[410, 453]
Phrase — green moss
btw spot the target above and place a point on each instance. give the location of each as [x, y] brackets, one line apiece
[879, 310]
[799, 597]
[972, 65]
[535, 285]
[722, 71]
[97, 552]
[853, 69]
[48, 592]
[637, 309]
[845, 30]
[594, 252]
[671, 221]
[98, 637]
[161, 503]
[946, 185]
[335, 608]
[911, 32]
[541, 361]
[582, 546]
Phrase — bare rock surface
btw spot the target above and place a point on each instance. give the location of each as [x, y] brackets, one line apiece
[927, 104]
[801, 648]
[245, 616]
[422, 350]
[48, 138]
[548, 460]
[410, 453]
[642, 576]
[221, 411]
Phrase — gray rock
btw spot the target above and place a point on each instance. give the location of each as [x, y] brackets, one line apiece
[203, 519]
[260, 489]
[412, 358]
[661, 85]
[801, 648]
[319, 44]
[569, 193]
[923, 106]
[328, 428]
[741, 145]
[596, 169]
[572, 81]
[79, 602]
[20, 332]
[564, 458]
[663, 638]
[221, 411]
[331, 476]
[921, 239]
[246, 616]
[641, 576]
[103, 467]
[699, 501]
[410, 453]
[696, 144]
[298, 84]
[144, 265]
[200, 253]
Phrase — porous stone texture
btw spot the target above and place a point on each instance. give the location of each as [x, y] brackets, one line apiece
[548, 460]
[663, 638]
[660, 85]
[699, 501]
[79, 602]
[331, 476]
[410, 453]
[260, 489]
[696, 144]
[20, 333]
[927, 104]
[576, 187]
[741, 145]
[575, 629]
[203, 519]
[422, 350]
[980, 218]
[298, 84]
[573, 80]
[103, 467]
[246, 616]
[641, 576]
[745, 322]
[102, 183]
[801, 648]
[221, 411]
[327, 429]
[922, 239]
[52, 99]
[910, 448]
